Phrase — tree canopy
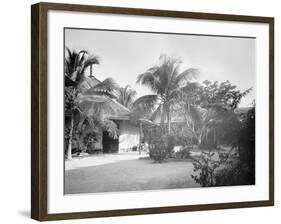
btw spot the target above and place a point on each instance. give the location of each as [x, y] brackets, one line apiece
[166, 81]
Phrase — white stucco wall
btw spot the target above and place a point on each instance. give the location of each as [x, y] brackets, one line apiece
[128, 136]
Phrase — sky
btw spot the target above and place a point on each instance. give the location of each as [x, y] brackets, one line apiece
[125, 55]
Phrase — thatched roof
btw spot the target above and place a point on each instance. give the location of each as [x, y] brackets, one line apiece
[90, 82]
[120, 112]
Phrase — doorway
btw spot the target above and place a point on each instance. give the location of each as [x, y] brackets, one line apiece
[110, 145]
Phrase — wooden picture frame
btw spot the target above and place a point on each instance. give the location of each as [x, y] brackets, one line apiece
[39, 110]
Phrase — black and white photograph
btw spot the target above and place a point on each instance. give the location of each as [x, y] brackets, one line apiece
[146, 111]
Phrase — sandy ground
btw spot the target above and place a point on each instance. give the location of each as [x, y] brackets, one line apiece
[125, 172]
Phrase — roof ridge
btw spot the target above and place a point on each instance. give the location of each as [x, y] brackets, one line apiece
[125, 108]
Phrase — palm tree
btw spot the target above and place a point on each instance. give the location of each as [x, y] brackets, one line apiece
[75, 65]
[166, 82]
[126, 96]
[85, 105]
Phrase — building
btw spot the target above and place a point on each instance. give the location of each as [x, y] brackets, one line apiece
[129, 133]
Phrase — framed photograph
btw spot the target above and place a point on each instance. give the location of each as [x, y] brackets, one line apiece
[141, 111]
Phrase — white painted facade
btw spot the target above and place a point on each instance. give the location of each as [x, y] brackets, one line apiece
[128, 136]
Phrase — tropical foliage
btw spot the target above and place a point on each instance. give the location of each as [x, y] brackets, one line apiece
[206, 114]
[236, 167]
[158, 150]
[85, 107]
[126, 96]
[208, 106]
[167, 82]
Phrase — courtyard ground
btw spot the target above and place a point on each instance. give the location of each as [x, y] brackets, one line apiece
[125, 172]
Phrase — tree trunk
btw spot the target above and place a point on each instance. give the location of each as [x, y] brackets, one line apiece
[69, 149]
[162, 119]
[140, 139]
[215, 137]
[200, 138]
[169, 121]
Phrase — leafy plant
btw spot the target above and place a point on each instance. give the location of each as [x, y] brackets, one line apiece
[206, 165]
[158, 149]
[89, 139]
[207, 107]
[126, 96]
[84, 105]
[243, 171]
[183, 153]
[230, 168]
[234, 174]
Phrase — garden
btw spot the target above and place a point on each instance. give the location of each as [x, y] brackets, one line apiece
[192, 133]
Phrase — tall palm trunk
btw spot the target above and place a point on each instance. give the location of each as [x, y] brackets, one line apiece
[215, 137]
[162, 119]
[200, 138]
[69, 149]
[169, 121]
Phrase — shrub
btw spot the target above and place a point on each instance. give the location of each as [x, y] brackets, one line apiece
[184, 153]
[206, 166]
[134, 148]
[242, 172]
[158, 150]
[162, 147]
[237, 174]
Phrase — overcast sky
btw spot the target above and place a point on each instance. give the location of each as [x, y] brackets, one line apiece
[125, 55]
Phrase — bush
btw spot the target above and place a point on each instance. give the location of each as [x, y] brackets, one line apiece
[206, 166]
[134, 148]
[238, 174]
[162, 148]
[184, 153]
[158, 150]
[241, 172]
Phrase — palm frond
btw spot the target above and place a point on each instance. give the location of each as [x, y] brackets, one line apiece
[191, 87]
[69, 82]
[186, 76]
[77, 62]
[95, 123]
[247, 91]
[146, 101]
[169, 67]
[91, 60]
[176, 95]
[126, 96]
[70, 61]
[78, 58]
[68, 51]
[144, 106]
[150, 79]
[175, 72]
[82, 58]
